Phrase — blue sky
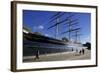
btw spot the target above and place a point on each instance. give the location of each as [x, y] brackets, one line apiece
[39, 21]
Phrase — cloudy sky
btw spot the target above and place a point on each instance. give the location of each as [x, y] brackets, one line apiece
[40, 21]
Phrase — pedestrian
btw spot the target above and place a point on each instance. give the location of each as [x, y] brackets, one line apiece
[72, 49]
[37, 54]
[83, 51]
[80, 52]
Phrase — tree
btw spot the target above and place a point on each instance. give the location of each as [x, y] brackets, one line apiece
[88, 45]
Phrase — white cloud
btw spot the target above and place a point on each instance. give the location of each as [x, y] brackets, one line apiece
[46, 35]
[40, 27]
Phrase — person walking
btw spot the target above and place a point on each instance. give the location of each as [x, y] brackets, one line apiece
[80, 52]
[37, 54]
[83, 51]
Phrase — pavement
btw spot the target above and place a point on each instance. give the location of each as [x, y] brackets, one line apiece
[59, 56]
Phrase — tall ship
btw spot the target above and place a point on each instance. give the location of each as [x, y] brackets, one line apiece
[33, 41]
